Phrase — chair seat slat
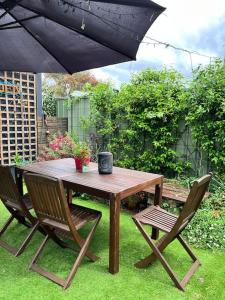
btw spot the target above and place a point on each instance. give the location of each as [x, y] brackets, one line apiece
[158, 218]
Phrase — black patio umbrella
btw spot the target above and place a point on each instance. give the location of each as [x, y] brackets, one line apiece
[71, 35]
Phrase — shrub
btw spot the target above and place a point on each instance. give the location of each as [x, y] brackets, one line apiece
[60, 146]
[206, 113]
[49, 103]
[140, 123]
[207, 228]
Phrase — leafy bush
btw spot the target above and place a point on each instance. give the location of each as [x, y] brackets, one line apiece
[49, 103]
[103, 112]
[207, 228]
[153, 105]
[206, 113]
[140, 123]
[60, 146]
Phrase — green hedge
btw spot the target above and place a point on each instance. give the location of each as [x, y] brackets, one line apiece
[140, 122]
[206, 112]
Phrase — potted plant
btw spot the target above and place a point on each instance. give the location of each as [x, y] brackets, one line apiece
[82, 156]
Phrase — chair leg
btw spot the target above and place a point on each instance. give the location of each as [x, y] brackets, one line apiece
[20, 218]
[14, 251]
[187, 248]
[83, 251]
[40, 249]
[34, 267]
[55, 237]
[27, 240]
[81, 254]
[159, 255]
[196, 263]
[152, 257]
[157, 249]
[3, 229]
[6, 225]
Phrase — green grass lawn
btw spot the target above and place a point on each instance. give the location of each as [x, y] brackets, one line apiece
[93, 281]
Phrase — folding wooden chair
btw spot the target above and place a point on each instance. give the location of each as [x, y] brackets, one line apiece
[172, 225]
[56, 215]
[18, 206]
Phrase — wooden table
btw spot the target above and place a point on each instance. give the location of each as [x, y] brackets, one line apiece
[114, 187]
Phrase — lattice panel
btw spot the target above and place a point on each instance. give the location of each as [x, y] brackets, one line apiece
[17, 116]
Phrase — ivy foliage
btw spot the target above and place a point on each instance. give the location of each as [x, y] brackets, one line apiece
[206, 113]
[139, 124]
[103, 106]
[207, 228]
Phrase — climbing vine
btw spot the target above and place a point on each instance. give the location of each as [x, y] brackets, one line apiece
[206, 113]
[139, 124]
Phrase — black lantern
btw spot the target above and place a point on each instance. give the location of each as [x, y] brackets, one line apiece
[105, 163]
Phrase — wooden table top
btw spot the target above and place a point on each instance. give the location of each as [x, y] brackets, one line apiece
[122, 182]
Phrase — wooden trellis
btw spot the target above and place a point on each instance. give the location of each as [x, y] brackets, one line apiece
[17, 116]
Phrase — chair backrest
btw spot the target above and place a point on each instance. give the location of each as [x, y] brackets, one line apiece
[8, 188]
[48, 199]
[193, 202]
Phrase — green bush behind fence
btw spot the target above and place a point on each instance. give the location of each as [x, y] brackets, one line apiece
[158, 122]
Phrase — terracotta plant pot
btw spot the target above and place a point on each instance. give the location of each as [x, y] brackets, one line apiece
[81, 164]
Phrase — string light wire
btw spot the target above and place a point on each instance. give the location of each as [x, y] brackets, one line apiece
[133, 35]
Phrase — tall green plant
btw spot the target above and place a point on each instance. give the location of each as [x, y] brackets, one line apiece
[206, 113]
[140, 122]
[49, 103]
[102, 105]
[152, 105]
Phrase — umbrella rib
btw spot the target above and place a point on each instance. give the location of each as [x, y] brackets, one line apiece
[10, 27]
[14, 22]
[2, 15]
[80, 32]
[7, 9]
[131, 3]
[53, 55]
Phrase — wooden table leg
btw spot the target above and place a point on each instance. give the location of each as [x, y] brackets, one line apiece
[69, 195]
[114, 236]
[19, 180]
[157, 201]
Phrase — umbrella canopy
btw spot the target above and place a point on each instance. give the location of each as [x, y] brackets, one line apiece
[71, 35]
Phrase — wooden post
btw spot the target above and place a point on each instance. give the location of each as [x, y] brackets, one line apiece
[114, 235]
